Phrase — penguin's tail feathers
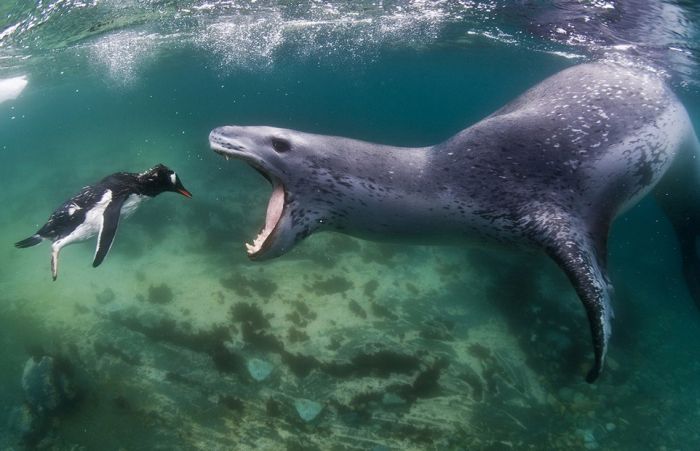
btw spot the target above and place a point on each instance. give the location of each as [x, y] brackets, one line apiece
[29, 242]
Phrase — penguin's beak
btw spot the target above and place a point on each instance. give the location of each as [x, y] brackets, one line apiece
[181, 189]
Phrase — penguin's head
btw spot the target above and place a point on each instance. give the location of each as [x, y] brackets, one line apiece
[161, 178]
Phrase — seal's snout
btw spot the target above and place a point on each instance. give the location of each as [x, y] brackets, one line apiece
[214, 134]
[226, 140]
[227, 132]
[220, 135]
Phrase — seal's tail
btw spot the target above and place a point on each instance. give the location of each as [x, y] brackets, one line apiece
[29, 242]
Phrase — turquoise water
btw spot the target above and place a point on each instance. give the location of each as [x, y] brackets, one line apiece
[169, 342]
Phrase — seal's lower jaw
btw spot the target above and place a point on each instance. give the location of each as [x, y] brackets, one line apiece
[263, 243]
[275, 209]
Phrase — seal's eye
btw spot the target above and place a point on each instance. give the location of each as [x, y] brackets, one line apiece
[281, 145]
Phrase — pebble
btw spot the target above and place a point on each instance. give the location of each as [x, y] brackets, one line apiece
[259, 369]
[589, 441]
[308, 410]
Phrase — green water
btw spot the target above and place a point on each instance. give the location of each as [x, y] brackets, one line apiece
[402, 347]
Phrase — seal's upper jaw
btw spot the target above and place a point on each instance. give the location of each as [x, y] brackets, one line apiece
[240, 143]
[230, 142]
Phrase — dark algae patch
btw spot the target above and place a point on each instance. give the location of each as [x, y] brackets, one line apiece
[331, 285]
[167, 330]
[302, 315]
[295, 335]
[370, 288]
[357, 309]
[381, 311]
[245, 286]
[160, 294]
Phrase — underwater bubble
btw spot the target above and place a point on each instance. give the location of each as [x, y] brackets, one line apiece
[123, 53]
[243, 41]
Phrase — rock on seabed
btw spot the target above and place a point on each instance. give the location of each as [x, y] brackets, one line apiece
[308, 410]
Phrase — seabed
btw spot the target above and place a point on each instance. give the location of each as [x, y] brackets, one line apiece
[179, 342]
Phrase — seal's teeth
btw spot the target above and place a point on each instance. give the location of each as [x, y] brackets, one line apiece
[250, 248]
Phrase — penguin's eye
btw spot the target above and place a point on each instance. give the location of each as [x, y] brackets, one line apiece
[173, 178]
[281, 145]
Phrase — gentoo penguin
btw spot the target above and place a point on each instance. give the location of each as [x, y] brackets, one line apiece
[96, 209]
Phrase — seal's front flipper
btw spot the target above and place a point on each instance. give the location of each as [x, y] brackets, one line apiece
[582, 258]
[687, 228]
[108, 229]
[678, 194]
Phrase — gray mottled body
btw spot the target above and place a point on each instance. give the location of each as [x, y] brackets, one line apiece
[550, 170]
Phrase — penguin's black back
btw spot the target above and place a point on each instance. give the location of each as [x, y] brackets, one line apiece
[61, 222]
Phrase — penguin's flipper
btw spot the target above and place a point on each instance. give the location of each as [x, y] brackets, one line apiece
[582, 255]
[108, 228]
[29, 242]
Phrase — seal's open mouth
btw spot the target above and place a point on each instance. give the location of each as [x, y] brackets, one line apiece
[275, 206]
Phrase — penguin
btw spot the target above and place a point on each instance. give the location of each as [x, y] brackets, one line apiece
[97, 208]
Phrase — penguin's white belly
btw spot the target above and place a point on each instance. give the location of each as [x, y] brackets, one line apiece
[131, 204]
[92, 224]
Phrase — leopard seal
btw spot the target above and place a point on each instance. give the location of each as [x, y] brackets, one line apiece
[550, 170]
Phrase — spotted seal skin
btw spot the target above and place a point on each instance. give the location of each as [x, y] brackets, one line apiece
[550, 170]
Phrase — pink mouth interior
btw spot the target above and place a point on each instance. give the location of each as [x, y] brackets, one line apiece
[275, 207]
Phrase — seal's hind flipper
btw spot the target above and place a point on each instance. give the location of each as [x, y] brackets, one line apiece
[582, 257]
[108, 229]
[594, 290]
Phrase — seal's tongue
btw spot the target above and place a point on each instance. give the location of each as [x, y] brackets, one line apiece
[274, 213]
